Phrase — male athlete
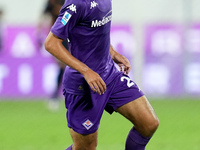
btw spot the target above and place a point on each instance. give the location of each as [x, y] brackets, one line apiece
[92, 83]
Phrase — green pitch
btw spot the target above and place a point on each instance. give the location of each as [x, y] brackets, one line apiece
[29, 125]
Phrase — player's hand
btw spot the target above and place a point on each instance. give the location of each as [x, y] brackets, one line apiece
[95, 81]
[122, 62]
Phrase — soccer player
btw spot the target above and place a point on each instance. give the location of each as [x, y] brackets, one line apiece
[91, 82]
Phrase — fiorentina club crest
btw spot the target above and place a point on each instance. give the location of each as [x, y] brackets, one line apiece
[87, 124]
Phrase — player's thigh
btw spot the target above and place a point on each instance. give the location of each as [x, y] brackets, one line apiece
[81, 141]
[141, 114]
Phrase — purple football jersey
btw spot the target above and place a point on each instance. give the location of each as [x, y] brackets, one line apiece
[86, 24]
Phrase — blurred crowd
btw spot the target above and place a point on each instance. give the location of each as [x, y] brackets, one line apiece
[50, 13]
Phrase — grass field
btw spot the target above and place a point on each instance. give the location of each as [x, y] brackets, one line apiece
[29, 125]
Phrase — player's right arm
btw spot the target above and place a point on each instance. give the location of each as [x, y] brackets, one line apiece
[54, 45]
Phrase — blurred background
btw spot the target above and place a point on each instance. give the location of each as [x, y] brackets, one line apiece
[160, 38]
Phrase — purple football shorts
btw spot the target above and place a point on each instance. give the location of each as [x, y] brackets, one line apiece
[85, 111]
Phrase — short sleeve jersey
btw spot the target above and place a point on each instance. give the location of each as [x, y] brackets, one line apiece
[86, 24]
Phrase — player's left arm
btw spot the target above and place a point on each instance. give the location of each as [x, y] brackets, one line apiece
[120, 60]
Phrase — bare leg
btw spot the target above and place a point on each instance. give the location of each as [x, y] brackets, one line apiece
[84, 142]
[142, 115]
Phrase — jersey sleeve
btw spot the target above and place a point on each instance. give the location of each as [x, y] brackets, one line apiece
[69, 16]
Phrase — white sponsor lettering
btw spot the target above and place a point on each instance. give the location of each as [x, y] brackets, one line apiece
[98, 23]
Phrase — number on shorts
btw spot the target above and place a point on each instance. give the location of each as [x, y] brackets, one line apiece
[129, 81]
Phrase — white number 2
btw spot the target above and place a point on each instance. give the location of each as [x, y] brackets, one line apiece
[129, 82]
